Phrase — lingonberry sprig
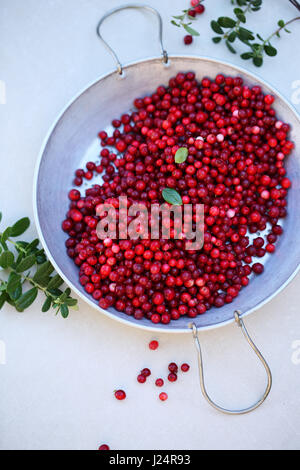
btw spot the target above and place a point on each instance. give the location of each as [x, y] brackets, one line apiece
[229, 29]
[186, 18]
[26, 264]
[264, 46]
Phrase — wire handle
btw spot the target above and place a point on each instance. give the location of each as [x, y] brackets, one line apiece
[241, 324]
[138, 7]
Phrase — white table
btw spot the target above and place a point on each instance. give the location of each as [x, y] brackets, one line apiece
[56, 386]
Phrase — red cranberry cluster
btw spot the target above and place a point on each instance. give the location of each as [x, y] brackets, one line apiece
[235, 167]
[197, 9]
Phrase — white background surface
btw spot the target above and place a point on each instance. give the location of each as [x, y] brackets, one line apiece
[56, 389]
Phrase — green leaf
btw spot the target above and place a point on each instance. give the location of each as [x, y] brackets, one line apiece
[258, 61]
[3, 299]
[55, 282]
[216, 27]
[247, 55]
[270, 50]
[71, 302]
[232, 36]
[14, 286]
[181, 155]
[175, 24]
[33, 245]
[260, 38]
[217, 39]
[172, 197]
[5, 237]
[178, 17]
[245, 35]
[46, 305]
[26, 299]
[20, 227]
[6, 259]
[226, 22]
[281, 23]
[190, 30]
[240, 15]
[230, 47]
[0, 216]
[25, 264]
[64, 309]
[42, 275]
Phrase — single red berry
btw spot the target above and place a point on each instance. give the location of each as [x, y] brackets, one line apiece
[188, 39]
[146, 372]
[163, 396]
[141, 378]
[153, 345]
[173, 367]
[185, 367]
[120, 394]
[200, 9]
[258, 268]
[172, 377]
[104, 447]
[159, 382]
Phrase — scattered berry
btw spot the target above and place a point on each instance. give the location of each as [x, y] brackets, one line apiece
[159, 382]
[173, 367]
[146, 372]
[153, 345]
[188, 39]
[141, 378]
[163, 396]
[172, 377]
[104, 447]
[120, 394]
[185, 367]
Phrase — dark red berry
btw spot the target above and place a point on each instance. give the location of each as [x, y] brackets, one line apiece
[185, 367]
[172, 377]
[141, 378]
[120, 394]
[159, 382]
[104, 447]
[188, 39]
[146, 372]
[153, 345]
[173, 367]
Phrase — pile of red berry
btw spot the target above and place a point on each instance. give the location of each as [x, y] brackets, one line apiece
[235, 167]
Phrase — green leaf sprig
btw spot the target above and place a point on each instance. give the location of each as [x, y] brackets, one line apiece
[184, 20]
[26, 265]
[230, 29]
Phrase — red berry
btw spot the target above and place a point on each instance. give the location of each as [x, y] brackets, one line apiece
[120, 394]
[146, 372]
[185, 367]
[172, 377]
[104, 447]
[163, 396]
[173, 367]
[188, 39]
[159, 382]
[141, 378]
[153, 345]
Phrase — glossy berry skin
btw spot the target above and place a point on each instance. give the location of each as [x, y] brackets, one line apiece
[173, 367]
[141, 378]
[153, 345]
[120, 394]
[188, 39]
[172, 377]
[159, 382]
[163, 396]
[104, 447]
[185, 367]
[146, 372]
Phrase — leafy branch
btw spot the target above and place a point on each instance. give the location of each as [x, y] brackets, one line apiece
[236, 31]
[185, 20]
[26, 264]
